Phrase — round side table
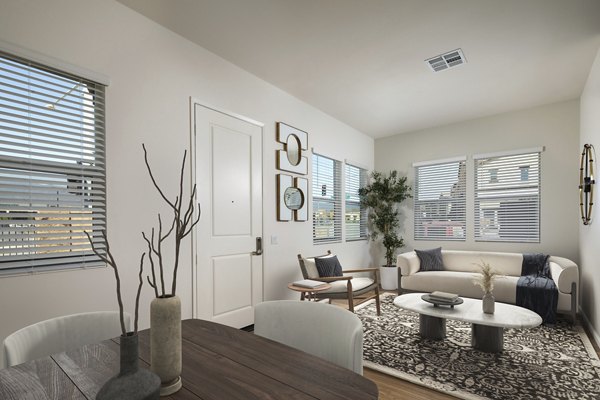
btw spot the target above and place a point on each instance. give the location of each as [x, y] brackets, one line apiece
[308, 293]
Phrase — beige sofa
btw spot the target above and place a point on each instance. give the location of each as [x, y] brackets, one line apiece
[460, 268]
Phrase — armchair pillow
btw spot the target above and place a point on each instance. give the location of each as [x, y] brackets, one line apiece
[431, 260]
[328, 266]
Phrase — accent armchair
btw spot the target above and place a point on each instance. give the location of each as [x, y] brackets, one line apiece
[345, 286]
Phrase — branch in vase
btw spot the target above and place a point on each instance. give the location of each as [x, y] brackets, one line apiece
[111, 261]
[137, 296]
[153, 282]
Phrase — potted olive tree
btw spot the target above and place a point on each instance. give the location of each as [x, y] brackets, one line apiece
[382, 197]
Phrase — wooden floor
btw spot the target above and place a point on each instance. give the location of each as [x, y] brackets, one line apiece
[391, 388]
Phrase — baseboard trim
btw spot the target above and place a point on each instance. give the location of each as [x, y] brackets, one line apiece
[590, 327]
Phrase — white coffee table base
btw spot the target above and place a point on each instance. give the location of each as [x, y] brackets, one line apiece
[487, 330]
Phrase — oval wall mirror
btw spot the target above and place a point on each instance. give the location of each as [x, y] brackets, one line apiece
[293, 149]
[293, 198]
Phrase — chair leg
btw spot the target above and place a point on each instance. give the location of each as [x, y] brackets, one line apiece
[377, 301]
[350, 297]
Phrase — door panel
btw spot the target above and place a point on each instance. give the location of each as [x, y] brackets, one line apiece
[231, 182]
[228, 279]
[232, 274]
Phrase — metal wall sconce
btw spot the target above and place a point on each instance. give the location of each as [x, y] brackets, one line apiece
[586, 183]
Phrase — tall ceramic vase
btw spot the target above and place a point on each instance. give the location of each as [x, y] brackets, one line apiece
[488, 303]
[165, 342]
[132, 382]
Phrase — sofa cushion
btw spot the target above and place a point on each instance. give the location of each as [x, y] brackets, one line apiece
[469, 261]
[431, 260]
[342, 286]
[460, 283]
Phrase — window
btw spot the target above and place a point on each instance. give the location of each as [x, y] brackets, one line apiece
[52, 174]
[327, 203]
[508, 209]
[356, 215]
[440, 200]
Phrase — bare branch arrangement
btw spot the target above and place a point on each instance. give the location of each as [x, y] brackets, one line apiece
[182, 225]
[110, 260]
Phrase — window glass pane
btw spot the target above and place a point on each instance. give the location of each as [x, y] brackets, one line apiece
[356, 216]
[508, 208]
[440, 201]
[327, 205]
[52, 174]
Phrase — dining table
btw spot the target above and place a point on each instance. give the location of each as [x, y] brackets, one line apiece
[218, 362]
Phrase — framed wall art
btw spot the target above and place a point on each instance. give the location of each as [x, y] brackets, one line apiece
[294, 141]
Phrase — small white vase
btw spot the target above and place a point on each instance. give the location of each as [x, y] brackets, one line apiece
[388, 277]
[488, 303]
[165, 342]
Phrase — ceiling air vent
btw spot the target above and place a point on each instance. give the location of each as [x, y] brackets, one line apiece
[446, 60]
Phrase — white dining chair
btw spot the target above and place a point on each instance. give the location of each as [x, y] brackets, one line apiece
[61, 334]
[321, 329]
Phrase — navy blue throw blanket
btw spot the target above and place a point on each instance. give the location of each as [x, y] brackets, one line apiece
[536, 290]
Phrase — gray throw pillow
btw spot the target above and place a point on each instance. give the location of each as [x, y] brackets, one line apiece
[431, 260]
[328, 266]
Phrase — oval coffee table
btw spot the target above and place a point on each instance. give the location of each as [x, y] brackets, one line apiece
[487, 330]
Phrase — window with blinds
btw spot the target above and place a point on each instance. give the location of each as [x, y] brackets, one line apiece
[507, 197]
[440, 200]
[52, 172]
[356, 215]
[327, 200]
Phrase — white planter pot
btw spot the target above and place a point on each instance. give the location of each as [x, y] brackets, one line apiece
[388, 277]
[165, 342]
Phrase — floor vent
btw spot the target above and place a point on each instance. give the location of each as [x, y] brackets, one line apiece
[446, 60]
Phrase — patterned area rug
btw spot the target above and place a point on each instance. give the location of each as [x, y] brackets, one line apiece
[547, 362]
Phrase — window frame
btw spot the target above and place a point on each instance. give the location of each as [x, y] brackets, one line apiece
[335, 200]
[363, 174]
[50, 150]
[454, 229]
[510, 189]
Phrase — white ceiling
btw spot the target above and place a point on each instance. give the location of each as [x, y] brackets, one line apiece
[362, 61]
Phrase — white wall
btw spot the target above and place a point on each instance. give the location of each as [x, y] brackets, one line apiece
[589, 236]
[554, 126]
[153, 73]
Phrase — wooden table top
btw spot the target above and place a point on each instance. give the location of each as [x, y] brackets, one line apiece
[219, 363]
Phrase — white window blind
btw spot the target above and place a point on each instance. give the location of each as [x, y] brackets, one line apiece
[356, 215]
[52, 173]
[507, 198]
[440, 201]
[327, 200]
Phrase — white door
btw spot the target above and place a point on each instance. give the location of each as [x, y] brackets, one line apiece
[228, 279]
